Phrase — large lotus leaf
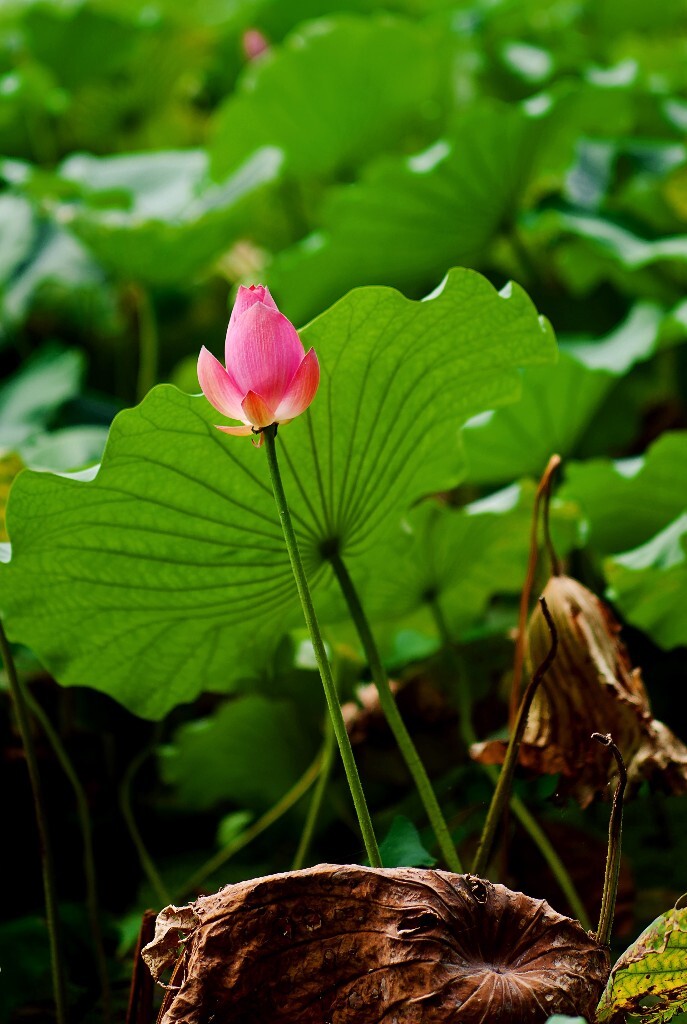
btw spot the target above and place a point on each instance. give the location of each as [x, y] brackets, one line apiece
[336, 92]
[626, 502]
[649, 584]
[650, 978]
[157, 217]
[587, 250]
[166, 574]
[558, 402]
[264, 751]
[409, 218]
[116, 78]
[458, 557]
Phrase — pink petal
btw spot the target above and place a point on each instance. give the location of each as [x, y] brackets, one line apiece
[247, 297]
[257, 411]
[301, 390]
[254, 43]
[236, 431]
[263, 353]
[218, 386]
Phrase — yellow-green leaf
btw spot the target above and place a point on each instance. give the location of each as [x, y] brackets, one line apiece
[651, 976]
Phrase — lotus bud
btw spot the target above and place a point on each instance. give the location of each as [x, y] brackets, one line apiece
[268, 377]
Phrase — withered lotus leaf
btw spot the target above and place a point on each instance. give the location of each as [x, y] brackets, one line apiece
[346, 944]
[591, 687]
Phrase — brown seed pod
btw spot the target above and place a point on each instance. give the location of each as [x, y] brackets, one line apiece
[343, 944]
[591, 687]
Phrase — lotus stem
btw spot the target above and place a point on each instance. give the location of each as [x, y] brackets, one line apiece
[505, 780]
[48, 871]
[543, 491]
[615, 831]
[148, 340]
[393, 716]
[339, 726]
[90, 876]
[326, 764]
[278, 810]
[146, 861]
[521, 812]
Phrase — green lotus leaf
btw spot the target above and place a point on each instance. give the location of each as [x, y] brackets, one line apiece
[166, 574]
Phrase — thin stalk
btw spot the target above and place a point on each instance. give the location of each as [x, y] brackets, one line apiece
[326, 764]
[278, 810]
[146, 861]
[543, 491]
[505, 780]
[48, 871]
[519, 809]
[615, 829]
[310, 616]
[393, 716]
[141, 991]
[148, 340]
[548, 852]
[90, 877]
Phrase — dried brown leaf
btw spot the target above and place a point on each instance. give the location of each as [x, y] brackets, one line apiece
[172, 926]
[591, 687]
[351, 945]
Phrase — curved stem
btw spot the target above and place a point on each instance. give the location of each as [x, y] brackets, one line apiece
[141, 990]
[615, 829]
[393, 717]
[543, 491]
[505, 780]
[310, 616]
[90, 877]
[548, 852]
[146, 861]
[289, 800]
[326, 764]
[519, 809]
[48, 871]
[148, 341]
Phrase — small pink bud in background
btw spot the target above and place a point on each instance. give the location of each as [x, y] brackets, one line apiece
[269, 378]
[254, 43]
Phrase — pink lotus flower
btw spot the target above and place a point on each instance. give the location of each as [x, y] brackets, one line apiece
[269, 378]
[254, 43]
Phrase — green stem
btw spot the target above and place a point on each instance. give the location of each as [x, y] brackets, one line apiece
[146, 861]
[148, 341]
[90, 877]
[49, 888]
[505, 780]
[393, 716]
[615, 828]
[326, 764]
[519, 809]
[277, 811]
[549, 854]
[310, 616]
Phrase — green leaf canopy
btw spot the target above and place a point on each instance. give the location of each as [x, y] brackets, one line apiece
[157, 217]
[336, 92]
[559, 402]
[166, 574]
[265, 749]
[627, 501]
[649, 584]
[409, 217]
